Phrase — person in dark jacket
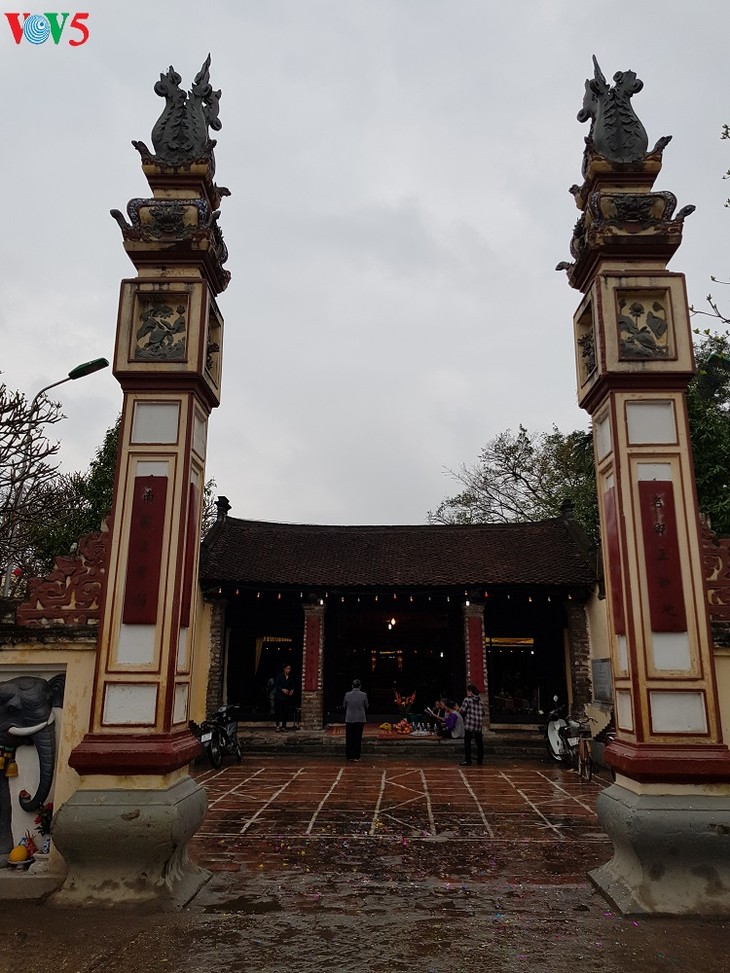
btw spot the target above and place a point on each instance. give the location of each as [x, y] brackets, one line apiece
[356, 704]
[283, 697]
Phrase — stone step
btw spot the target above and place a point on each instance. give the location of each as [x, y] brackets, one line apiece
[264, 742]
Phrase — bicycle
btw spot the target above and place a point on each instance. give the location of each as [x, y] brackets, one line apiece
[583, 756]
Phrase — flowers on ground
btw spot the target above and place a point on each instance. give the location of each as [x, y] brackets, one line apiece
[43, 819]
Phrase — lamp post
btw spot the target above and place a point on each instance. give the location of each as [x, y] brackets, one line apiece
[80, 371]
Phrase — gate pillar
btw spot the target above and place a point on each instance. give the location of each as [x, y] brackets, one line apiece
[476, 669]
[668, 811]
[124, 833]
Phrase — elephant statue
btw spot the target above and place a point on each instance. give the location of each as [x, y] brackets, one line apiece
[26, 716]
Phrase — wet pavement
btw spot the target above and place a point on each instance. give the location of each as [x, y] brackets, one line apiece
[384, 866]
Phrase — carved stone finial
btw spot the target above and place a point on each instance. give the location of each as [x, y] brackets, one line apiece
[180, 134]
[616, 133]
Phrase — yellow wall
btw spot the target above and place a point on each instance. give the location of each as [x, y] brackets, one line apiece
[76, 660]
[722, 672]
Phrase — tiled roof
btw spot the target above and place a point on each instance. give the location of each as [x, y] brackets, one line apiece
[254, 552]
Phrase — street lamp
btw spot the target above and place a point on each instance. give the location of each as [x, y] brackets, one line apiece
[80, 371]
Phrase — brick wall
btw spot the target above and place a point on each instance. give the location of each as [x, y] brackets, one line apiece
[579, 651]
[216, 690]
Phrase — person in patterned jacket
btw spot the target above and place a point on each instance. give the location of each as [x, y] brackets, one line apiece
[472, 710]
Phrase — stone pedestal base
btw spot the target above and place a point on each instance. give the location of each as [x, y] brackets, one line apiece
[312, 715]
[671, 852]
[129, 847]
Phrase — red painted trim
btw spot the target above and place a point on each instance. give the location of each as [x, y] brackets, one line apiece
[628, 382]
[189, 563]
[144, 563]
[669, 763]
[117, 753]
[616, 585]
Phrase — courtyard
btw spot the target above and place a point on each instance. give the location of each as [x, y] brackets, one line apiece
[392, 865]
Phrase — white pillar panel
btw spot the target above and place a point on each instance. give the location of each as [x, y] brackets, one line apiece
[624, 711]
[155, 422]
[654, 471]
[180, 705]
[151, 468]
[603, 437]
[651, 422]
[671, 651]
[136, 645]
[677, 712]
[199, 435]
[182, 650]
[130, 704]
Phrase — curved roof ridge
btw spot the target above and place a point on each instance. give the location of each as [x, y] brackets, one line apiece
[417, 555]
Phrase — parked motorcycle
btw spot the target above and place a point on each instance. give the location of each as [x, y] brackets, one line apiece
[562, 733]
[219, 734]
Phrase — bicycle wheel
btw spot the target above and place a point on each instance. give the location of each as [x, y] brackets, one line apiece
[215, 750]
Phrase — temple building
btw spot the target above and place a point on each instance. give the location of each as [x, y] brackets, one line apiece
[422, 609]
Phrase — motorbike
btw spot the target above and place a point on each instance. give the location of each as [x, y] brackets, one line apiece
[562, 733]
[219, 735]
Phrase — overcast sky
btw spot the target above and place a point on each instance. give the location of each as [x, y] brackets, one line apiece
[399, 173]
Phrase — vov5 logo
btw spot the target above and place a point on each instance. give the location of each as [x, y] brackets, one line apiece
[37, 28]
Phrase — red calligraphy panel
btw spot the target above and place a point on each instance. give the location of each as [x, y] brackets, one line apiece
[312, 637]
[616, 584]
[475, 635]
[661, 550]
[144, 562]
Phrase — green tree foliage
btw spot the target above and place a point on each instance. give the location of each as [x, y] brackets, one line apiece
[708, 406]
[525, 477]
[75, 504]
[27, 464]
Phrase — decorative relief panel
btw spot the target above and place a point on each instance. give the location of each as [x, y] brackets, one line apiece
[644, 327]
[70, 594]
[585, 339]
[716, 558]
[213, 342]
[160, 330]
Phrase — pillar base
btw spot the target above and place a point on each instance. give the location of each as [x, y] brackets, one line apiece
[670, 852]
[129, 847]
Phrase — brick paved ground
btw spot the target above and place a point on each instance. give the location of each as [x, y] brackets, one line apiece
[506, 819]
[389, 866]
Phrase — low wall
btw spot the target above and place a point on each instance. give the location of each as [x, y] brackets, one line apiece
[26, 652]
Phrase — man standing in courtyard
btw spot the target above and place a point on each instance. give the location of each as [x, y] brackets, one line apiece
[472, 710]
[283, 698]
[356, 703]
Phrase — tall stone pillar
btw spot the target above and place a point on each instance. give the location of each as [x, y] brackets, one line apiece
[124, 832]
[312, 658]
[476, 668]
[668, 813]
